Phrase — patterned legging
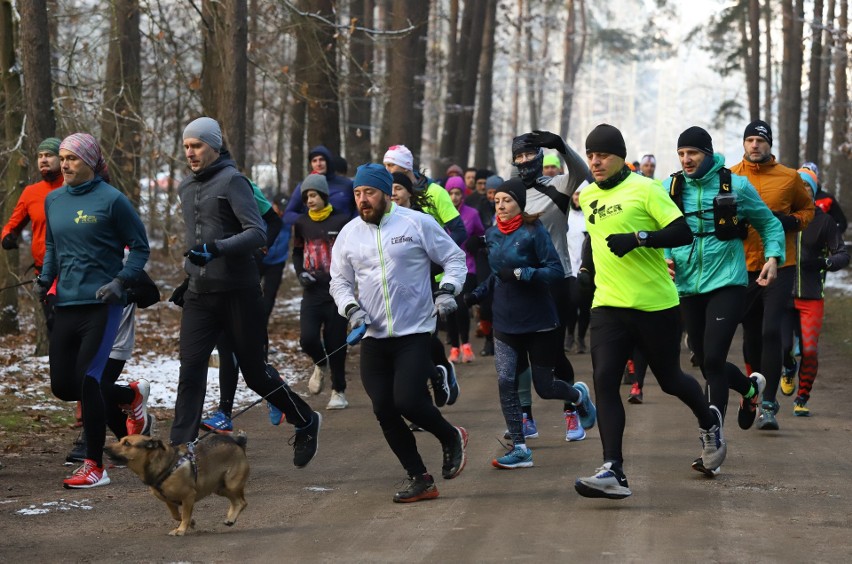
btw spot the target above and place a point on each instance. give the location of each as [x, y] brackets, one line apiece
[810, 318]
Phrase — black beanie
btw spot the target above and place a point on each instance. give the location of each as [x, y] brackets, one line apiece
[482, 174]
[515, 187]
[522, 144]
[697, 138]
[758, 128]
[402, 179]
[606, 139]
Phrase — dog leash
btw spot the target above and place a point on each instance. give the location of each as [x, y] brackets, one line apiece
[16, 285]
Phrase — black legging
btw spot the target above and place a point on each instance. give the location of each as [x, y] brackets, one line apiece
[561, 292]
[394, 372]
[765, 309]
[458, 324]
[711, 320]
[580, 310]
[115, 396]
[323, 331]
[614, 333]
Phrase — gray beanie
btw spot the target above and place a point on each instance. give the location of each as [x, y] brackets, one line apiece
[493, 182]
[205, 129]
[316, 182]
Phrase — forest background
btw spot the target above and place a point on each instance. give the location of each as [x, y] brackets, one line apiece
[454, 80]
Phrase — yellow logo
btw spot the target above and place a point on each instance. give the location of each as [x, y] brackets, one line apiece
[83, 218]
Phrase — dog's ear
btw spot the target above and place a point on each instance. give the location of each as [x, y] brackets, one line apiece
[152, 444]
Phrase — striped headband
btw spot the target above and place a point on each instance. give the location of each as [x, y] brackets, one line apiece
[86, 147]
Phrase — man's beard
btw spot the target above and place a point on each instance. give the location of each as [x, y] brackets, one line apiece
[50, 175]
[375, 214]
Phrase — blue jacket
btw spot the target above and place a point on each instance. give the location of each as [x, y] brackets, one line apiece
[340, 193]
[708, 263]
[525, 305]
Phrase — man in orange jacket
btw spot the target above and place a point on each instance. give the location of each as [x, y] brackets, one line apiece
[30, 207]
[785, 193]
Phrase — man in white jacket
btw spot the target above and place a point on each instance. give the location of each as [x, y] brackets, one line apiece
[386, 254]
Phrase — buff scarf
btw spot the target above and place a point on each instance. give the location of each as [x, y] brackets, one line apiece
[513, 224]
[320, 215]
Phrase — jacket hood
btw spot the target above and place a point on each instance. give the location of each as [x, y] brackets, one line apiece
[321, 150]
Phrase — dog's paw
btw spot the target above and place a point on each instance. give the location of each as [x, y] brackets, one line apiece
[229, 522]
[177, 532]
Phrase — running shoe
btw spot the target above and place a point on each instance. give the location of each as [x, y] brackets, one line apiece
[218, 423]
[418, 488]
[573, 430]
[276, 416]
[78, 451]
[315, 384]
[698, 466]
[607, 481]
[529, 428]
[149, 425]
[713, 446]
[515, 458]
[788, 383]
[487, 348]
[800, 408]
[767, 420]
[337, 401]
[453, 383]
[306, 441]
[748, 407]
[629, 373]
[89, 475]
[137, 412]
[440, 386]
[585, 407]
[455, 354]
[635, 395]
[416, 428]
[467, 353]
[454, 455]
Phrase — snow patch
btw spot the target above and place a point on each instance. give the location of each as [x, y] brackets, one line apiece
[61, 505]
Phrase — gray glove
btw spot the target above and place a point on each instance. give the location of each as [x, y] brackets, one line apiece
[111, 293]
[445, 304]
[357, 317]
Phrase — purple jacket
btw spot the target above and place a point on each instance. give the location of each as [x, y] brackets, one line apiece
[473, 225]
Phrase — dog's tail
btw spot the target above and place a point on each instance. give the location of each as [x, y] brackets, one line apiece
[240, 438]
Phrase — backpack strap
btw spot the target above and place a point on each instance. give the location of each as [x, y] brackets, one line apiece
[725, 180]
[676, 188]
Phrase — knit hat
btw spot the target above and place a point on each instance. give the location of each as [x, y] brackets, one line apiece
[522, 144]
[86, 147]
[515, 187]
[454, 170]
[402, 179]
[493, 182]
[551, 159]
[49, 145]
[205, 129]
[649, 159]
[316, 182]
[606, 139]
[482, 174]
[697, 138]
[758, 129]
[810, 179]
[399, 155]
[375, 176]
[812, 167]
[456, 183]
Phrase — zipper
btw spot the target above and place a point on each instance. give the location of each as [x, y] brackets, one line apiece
[385, 292]
[700, 218]
[798, 262]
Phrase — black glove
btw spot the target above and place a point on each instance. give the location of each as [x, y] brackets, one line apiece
[10, 242]
[177, 295]
[112, 292]
[622, 243]
[814, 264]
[507, 274]
[473, 244]
[307, 279]
[548, 140]
[470, 300]
[788, 222]
[202, 254]
[42, 286]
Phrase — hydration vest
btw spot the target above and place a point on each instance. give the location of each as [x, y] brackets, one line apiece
[727, 225]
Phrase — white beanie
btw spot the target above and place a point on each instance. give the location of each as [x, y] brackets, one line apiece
[400, 156]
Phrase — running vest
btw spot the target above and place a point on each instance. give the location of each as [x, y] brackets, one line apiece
[727, 225]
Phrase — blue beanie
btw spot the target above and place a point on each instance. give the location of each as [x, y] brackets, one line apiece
[375, 176]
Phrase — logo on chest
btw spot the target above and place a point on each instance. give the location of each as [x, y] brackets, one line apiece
[83, 218]
[602, 212]
[401, 239]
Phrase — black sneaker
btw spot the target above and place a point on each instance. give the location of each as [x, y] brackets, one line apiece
[440, 386]
[487, 348]
[418, 488]
[306, 441]
[454, 455]
[78, 451]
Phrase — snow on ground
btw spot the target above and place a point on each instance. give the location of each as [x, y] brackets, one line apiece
[840, 280]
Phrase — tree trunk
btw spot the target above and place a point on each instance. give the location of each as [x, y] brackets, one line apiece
[298, 107]
[403, 119]
[825, 78]
[791, 83]
[14, 171]
[121, 119]
[461, 147]
[251, 86]
[752, 55]
[815, 98]
[323, 105]
[483, 155]
[768, 11]
[532, 76]
[35, 58]
[359, 128]
[224, 74]
[840, 169]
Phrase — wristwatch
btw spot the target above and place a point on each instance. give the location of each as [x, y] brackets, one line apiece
[642, 237]
[517, 272]
[446, 288]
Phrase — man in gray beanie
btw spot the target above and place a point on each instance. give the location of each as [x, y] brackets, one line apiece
[222, 294]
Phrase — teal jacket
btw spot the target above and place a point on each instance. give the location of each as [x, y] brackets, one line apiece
[708, 263]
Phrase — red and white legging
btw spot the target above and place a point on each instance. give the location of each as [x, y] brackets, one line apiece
[810, 319]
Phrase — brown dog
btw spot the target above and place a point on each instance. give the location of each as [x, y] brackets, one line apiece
[180, 476]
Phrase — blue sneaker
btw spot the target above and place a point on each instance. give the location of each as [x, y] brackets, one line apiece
[515, 458]
[276, 416]
[573, 429]
[530, 430]
[585, 408]
[453, 383]
[218, 423]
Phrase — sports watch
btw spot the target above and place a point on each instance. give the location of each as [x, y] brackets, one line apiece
[642, 237]
[446, 288]
[517, 272]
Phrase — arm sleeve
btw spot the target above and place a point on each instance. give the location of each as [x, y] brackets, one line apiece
[443, 250]
[132, 233]
[48, 268]
[342, 286]
[578, 170]
[675, 234]
[19, 217]
[244, 206]
[587, 261]
[299, 250]
[457, 230]
[838, 255]
[273, 225]
[551, 267]
[295, 207]
[764, 221]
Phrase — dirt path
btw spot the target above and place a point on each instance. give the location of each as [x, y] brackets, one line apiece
[782, 496]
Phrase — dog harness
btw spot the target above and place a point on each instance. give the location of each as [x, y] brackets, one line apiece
[187, 457]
